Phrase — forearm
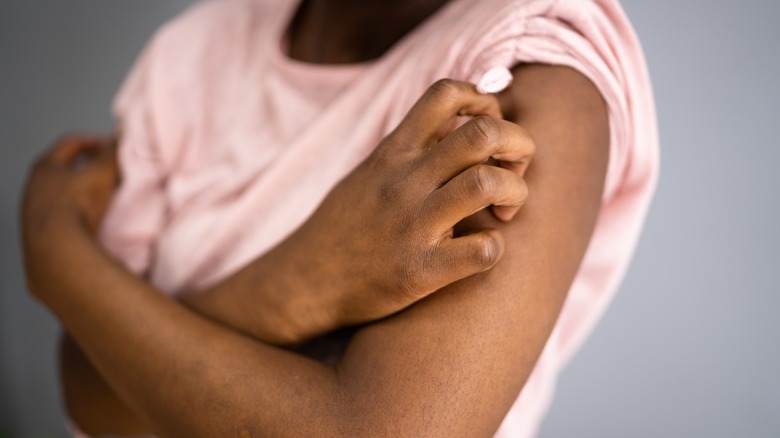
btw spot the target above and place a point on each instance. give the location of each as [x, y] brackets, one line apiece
[187, 376]
[257, 300]
[95, 407]
[269, 300]
[183, 374]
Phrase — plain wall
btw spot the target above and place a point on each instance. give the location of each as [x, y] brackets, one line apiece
[689, 348]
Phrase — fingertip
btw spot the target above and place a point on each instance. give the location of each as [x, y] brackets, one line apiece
[70, 148]
[495, 247]
[501, 213]
[504, 213]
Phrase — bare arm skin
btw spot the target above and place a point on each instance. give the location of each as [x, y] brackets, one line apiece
[450, 365]
[365, 266]
[90, 401]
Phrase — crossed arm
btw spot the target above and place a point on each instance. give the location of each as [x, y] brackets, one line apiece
[450, 365]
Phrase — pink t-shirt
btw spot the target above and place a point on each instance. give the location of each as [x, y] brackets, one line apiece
[228, 145]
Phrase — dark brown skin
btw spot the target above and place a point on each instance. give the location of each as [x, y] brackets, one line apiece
[450, 365]
[349, 31]
[405, 200]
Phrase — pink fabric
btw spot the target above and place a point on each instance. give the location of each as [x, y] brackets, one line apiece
[228, 145]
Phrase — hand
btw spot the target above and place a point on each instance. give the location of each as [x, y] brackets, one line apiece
[384, 237]
[68, 190]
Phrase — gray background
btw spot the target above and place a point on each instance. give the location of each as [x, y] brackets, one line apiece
[690, 346]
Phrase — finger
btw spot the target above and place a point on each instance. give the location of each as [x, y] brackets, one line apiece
[104, 164]
[505, 212]
[476, 142]
[99, 179]
[474, 189]
[108, 162]
[66, 150]
[437, 112]
[458, 258]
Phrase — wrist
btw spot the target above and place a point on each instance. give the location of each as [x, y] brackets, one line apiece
[305, 296]
[273, 299]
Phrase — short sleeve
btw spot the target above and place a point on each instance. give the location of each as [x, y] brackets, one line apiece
[594, 38]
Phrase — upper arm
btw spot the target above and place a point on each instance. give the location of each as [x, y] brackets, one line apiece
[455, 362]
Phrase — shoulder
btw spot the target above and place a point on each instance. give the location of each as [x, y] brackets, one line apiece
[194, 52]
[560, 92]
[211, 26]
[593, 38]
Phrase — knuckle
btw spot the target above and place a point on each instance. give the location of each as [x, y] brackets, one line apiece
[378, 159]
[393, 151]
[390, 192]
[444, 88]
[482, 132]
[410, 278]
[482, 182]
[418, 275]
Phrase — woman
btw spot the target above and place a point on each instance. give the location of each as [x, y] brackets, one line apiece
[238, 121]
